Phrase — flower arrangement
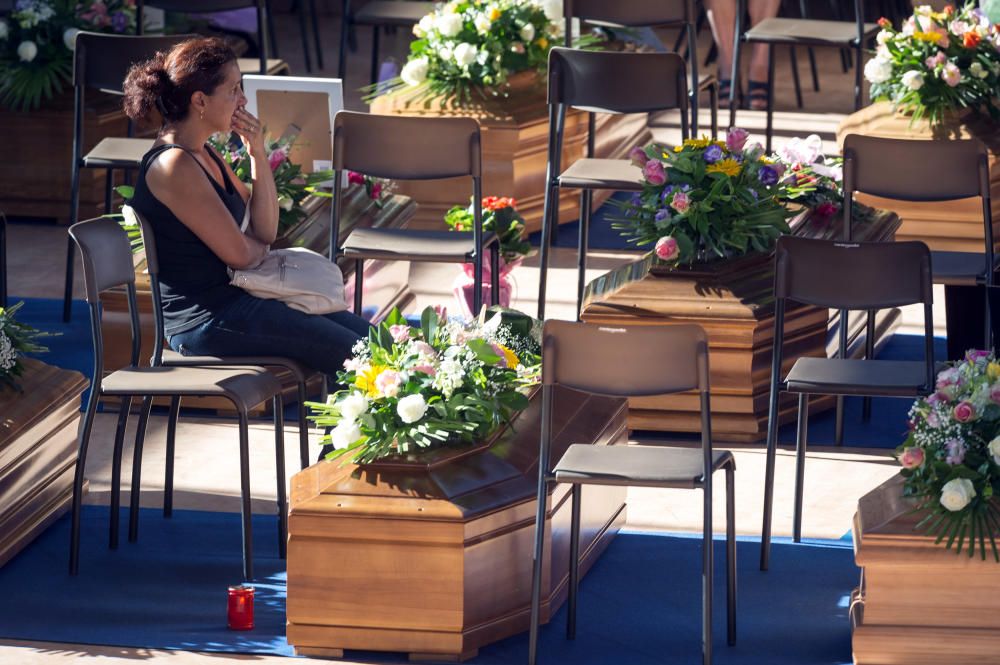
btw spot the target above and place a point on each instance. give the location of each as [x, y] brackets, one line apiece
[477, 44]
[937, 62]
[812, 179]
[16, 339]
[500, 216]
[37, 42]
[951, 458]
[706, 198]
[410, 389]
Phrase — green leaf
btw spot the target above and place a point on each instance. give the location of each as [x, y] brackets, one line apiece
[429, 324]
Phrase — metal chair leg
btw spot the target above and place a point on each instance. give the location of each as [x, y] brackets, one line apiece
[586, 201]
[68, 288]
[140, 435]
[279, 453]
[116, 472]
[793, 61]
[838, 423]
[731, 554]
[812, 68]
[495, 273]
[800, 463]
[772, 450]
[359, 284]
[168, 474]
[574, 562]
[376, 34]
[551, 200]
[536, 573]
[272, 40]
[300, 6]
[866, 402]
[78, 478]
[246, 511]
[713, 98]
[345, 26]
[303, 425]
[770, 96]
[707, 571]
[315, 29]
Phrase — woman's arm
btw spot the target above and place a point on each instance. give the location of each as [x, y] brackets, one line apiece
[264, 202]
[176, 179]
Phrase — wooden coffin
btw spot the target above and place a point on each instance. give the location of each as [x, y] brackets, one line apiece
[515, 133]
[312, 233]
[944, 225]
[36, 180]
[918, 603]
[38, 449]
[733, 300]
[435, 559]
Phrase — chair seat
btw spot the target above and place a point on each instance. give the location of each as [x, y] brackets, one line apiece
[955, 268]
[833, 376]
[617, 174]
[118, 153]
[171, 358]
[645, 466]
[275, 66]
[413, 245]
[244, 386]
[392, 12]
[807, 31]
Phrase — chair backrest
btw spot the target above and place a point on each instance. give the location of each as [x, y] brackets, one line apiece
[102, 61]
[852, 275]
[630, 13]
[613, 82]
[153, 270]
[625, 361]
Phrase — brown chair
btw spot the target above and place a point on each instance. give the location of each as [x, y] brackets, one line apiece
[378, 14]
[107, 263]
[168, 358]
[794, 32]
[263, 63]
[631, 362]
[661, 14]
[869, 276]
[100, 62]
[601, 82]
[405, 148]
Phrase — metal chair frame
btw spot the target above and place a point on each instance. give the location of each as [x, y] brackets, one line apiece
[348, 21]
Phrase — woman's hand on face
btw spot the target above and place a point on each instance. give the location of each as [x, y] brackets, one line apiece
[249, 129]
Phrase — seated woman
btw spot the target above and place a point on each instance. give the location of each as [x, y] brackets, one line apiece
[195, 204]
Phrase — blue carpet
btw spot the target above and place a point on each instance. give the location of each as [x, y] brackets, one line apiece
[70, 345]
[169, 591]
[602, 236]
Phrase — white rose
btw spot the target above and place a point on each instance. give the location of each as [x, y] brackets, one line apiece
[445, 52]
[977, 70]
[27, 51]
[4, 30]
[426, 23]
[995, 450]
[449, 25]
[465, 54]
[69, 38]
[882, 37]
[285, 202]
[414, 71]
[482, 23]
[913, 80]
[553, 9]
[345, 434]
[411, 408]
[878, 70]
[956, 494]
[528, 32]
[352, 406]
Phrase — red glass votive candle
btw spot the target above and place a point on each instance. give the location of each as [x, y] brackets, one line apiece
[241, 607]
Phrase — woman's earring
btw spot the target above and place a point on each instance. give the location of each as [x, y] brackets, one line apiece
[201, 114]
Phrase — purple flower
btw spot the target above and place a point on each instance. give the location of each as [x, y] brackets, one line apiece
[712, 154]
[662, 215]
[767, 175]
[634, 202]
[956, 452]
[976, 355]
[736, 138]
[119, 21]
[638, 156]
[665, 194]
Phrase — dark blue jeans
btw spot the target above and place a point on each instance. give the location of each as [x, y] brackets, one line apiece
[251, 326]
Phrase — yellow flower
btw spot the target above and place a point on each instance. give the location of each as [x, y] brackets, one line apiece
[993, 371]
[509, 357]
[542, 42]
[932, 37]
[495, 13]
[366, 379]
[728, 166]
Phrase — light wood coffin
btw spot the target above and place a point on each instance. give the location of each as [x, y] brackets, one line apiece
[38, 451]
[944, 225]
[919, 603]
[435, 559]
[515, 133]
[733, 300]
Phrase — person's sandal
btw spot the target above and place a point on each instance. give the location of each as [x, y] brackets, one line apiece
[757, 94]
[725, 86]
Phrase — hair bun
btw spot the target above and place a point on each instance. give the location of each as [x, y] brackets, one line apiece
[146, 85]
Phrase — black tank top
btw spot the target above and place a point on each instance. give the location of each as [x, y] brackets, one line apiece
[193, 280]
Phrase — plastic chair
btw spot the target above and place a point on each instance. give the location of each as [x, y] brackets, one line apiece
[869, 275]
[101, 62]
[263, 64]
[166, 357]
[107, 263]
[3, 260]
[405, 148]
[602, 82]
[640, 14]
[799, 32]
[378, 14]
[631, 362]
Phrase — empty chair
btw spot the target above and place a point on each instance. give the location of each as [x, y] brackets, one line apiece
[604, 82]
[379, 14]
[100, 62]
[660, 14]
[406, 148]
[631, 361]
[869, 276]
[107, 263]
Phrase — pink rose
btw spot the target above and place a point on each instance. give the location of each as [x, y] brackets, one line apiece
[826, 209]
[425, 369]
[376, 190]
[951, 74]
[276, 158]
[425, 349]
[355, 178]
[681, 202]
[964, 412]
[736, 138]
[352, 364]
[654, 173]
[400, 333]
[912, 457]
[666, 248]
[638, 156]
[388, 383]
[995, 394]
[936, 60]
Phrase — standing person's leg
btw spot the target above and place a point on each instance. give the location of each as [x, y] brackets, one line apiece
[757, 79]
[722, 19]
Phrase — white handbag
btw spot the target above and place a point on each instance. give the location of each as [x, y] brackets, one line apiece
[299, 277]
